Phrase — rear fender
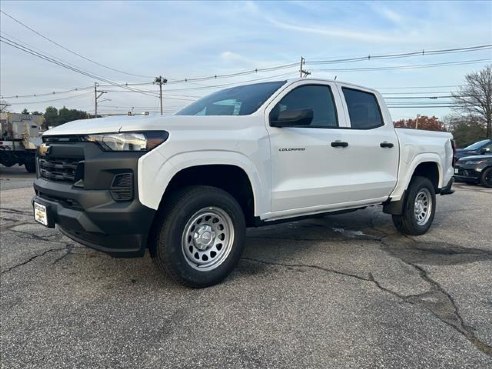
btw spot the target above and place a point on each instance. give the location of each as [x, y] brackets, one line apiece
[406, 172]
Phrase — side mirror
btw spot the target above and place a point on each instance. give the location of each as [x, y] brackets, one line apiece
[292, 118]
[485, 150]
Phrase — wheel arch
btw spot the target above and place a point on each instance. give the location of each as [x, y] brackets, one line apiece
[230, 178]
[156, 173]
[430, 170]
[425, 165]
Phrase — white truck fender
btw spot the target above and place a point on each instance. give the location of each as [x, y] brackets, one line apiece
[161, 170]
[406, 172]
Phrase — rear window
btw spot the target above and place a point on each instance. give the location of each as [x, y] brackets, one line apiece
[363, 109]
[240, 100]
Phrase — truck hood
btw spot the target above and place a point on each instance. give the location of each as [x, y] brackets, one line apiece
[461, 153]
[477, 157]
[148, 123]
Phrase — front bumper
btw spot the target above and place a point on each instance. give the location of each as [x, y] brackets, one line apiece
[118, 228]
[91, 213]
[467, 174]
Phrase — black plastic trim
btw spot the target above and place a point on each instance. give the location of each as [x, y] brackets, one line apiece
[447, 190]
[395, 207]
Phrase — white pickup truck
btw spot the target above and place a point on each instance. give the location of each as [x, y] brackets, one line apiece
[186, 186]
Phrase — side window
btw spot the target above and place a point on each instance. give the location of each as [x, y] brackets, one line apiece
[363, 109]
[316, 97]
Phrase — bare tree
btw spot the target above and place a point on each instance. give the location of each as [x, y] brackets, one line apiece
[475, 97]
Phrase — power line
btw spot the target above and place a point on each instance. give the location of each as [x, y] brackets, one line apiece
[71, 51]
[398, 67]
[420, 106]
[64, 65]
[335, 61]
[50, 100]
[417, 97]
[403, 55]
[230, 84]
[414, 93]
[413, 87]
[237, 74]
[48, 93]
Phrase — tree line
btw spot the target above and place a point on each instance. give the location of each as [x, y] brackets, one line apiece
[54, 117]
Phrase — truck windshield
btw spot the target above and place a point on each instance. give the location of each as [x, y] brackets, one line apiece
[240, 100]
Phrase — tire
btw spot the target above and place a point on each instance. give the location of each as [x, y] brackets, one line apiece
[199, 236]
[419, 209]
[486, 179]
[30, 166]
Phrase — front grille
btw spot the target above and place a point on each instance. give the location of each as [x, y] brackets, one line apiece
[63, 170]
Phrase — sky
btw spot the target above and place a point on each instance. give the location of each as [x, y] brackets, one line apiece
[134, 42]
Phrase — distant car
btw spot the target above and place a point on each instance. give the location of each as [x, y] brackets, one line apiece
[478, 148]
[474, 169]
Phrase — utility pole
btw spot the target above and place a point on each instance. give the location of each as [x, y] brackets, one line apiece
[96, 96]
[417, 122]
[160, 81]
[303, 73]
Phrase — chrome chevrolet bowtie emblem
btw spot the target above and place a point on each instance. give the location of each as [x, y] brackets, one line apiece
[43, 149]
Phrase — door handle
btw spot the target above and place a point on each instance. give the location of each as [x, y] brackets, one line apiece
[339, 143]
[386, 144]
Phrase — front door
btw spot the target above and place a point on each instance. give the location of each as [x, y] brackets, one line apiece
[308, 162]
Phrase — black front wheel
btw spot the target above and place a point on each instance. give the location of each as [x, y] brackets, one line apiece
[200, 236]
[486, 179]
[419, 208]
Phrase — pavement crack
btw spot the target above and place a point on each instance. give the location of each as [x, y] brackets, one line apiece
[68, 251]
[288, 265]
[16, 224]
[458, 323]
[35, 236]
[438, 301]
[380, 286]
[15, 211]
[31, 259]
[323, 239]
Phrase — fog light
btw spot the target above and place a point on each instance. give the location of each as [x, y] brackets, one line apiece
[122, 187]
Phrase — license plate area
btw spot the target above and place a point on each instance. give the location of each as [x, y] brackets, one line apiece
[42, 215]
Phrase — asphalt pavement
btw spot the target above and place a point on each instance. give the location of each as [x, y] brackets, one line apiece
[343, 291]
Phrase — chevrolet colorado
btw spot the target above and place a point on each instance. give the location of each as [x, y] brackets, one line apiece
[186, 186]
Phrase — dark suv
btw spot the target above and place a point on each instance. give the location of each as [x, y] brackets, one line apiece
[474, 169]
[478, 148]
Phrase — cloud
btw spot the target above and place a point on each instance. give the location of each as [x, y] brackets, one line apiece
[388, 14]
[332, 32]
[232, 57]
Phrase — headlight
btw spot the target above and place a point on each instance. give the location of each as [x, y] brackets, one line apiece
[129, 141]
[473, 162]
